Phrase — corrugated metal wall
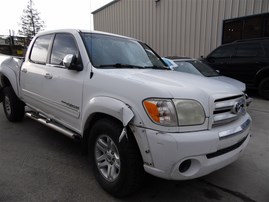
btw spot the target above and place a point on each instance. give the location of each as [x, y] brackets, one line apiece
[175, 27]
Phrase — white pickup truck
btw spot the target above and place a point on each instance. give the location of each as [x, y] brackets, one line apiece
[131, 112]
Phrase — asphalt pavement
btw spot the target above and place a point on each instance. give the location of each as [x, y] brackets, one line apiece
[40, 164]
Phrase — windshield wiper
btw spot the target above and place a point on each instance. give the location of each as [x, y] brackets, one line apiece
[119, 65]
[157, 67]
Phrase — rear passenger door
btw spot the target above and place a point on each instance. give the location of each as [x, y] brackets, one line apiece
[246, 62]
[33, 71]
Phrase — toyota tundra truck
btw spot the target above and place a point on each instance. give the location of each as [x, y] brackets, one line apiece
[130, 112]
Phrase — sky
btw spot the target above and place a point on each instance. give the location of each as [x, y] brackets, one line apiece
[56, 14]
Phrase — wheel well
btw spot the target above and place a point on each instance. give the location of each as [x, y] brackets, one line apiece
[4, 82]
[90, 122]
[262, 78]
[262, 75]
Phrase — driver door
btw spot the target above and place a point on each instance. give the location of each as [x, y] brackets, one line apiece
[62, 87]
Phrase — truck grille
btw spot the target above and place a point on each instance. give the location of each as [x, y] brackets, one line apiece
[228, 109]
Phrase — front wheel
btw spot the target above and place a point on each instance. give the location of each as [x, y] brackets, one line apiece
[264, 88]
[118, 166]
[13, 106]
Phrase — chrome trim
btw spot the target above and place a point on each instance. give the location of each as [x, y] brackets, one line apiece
[57, 66]
[226, 111]
[224, 104]
[24, 70]
[224, 118]
[48, 76]
[54, 126]
[235, 131]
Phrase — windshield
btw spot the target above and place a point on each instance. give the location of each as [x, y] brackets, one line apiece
[195, 67]
[115, 52]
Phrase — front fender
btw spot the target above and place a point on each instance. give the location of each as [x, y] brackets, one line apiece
[109, 106]
[125, 114]
[10, 68]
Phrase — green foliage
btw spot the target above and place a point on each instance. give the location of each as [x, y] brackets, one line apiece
[30, 23]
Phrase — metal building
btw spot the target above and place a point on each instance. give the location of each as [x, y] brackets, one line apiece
[174, 27]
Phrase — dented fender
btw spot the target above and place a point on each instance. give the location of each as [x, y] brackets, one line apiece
[126, 115]
[109, 106]
[10, 68]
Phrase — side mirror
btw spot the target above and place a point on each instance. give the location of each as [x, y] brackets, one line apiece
[69, 61]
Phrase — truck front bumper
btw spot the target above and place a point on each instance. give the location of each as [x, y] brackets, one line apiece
[182, 156]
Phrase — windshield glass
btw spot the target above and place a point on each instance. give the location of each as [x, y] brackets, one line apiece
[115, 52]
[195, 67]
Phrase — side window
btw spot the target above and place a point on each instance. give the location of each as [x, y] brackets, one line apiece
[40, 49]
[249, 50]
[223, 52]
[63, 45]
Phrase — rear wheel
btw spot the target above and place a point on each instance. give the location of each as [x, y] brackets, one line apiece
[264, 88]
[118, 166]
[13, 107]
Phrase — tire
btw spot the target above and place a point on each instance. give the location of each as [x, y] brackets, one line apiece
[118, 167]
[13, 107]
[264, 88]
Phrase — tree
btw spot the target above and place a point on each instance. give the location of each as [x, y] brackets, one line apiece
[31, 23]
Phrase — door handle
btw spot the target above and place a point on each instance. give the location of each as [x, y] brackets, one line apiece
[48, 76]
[24, 70]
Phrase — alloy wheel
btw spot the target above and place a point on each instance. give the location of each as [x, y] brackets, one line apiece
[107, 158]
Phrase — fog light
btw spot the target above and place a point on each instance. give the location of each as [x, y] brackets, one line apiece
[184, 166]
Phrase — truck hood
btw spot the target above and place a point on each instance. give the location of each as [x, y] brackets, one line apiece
[169, 84]
[231, 81]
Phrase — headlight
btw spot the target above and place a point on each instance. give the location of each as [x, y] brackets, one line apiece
[161, 111]
[189, 112]
[175, 113]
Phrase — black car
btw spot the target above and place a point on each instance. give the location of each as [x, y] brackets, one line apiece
[244, 60]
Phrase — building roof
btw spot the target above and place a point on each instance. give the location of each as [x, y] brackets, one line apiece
[105, 6]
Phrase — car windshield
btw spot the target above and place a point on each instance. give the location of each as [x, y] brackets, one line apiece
[195, 67]
[116, 52]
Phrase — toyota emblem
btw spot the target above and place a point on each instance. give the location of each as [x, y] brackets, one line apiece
[238, 107]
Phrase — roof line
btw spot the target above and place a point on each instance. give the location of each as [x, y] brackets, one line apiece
[103, 7]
